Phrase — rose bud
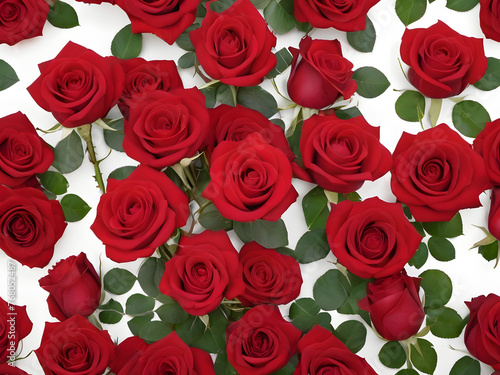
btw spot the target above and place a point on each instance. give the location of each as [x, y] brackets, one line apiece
[394, 306]
[74, 287]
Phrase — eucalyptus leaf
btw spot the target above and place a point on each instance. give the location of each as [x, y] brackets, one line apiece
[328, 291]
[187, 60]
[138, 304]
[135, 324]
[118, 281]
[153, 330]
[171, 312]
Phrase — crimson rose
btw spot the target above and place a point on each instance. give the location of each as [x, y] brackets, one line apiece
[234, 46]
[395, 308]
[489, 21]
[494, 213]
[261, 342]
[74, 287]
[6, 369]
[487, 144]
[23, 153]
[442, 62]
[139, 213]
[15, 325]
[78, 86]
[21, 19]
[436, 173]
[371, 238]
[482, 338]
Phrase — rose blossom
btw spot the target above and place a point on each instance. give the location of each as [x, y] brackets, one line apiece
[494, 213]
[489, 20]
[234, 46]
[74, 287]
[7, 369]
[139, 213]
[9, 340]
[436, 173]
[23, 153]
[78, 86]
[487, 144]
[21, 19]
[319, 74]
[442, 62]
[371, 238]
[395, 308]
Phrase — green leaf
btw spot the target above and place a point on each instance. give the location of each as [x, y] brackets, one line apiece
[461, 5]
[212, 219]
[303, 313]
[171, 312]
[420, 256]
[435, 110]
[363, 40]
[419, 227]
[491, 79]
[294, 140]
[222, 365]
[441, 249]
[328, 290]
[112, 312]
[8, 75]
[214, 337]
[221, 5]
[68, 153]
[351, 304]
[407, 371]
[448, 229]
[410, 106]
[409, 11]
[312, 246]
[138, 304]
[466, 366]
[153, 330]
[54, 182]
[118, 281]
[283, 60]
[490, 251]
[392, 355]
[270, 234]
[183, 41]
[226, 95]
[190, 330]
[187, 60]
[427, 361]
[469, 117]
[437, 286]
[353, 334]
[62, 15]
[149, 276]
[74, 208]
[279, 122]
[445, 322]
[289, 368]
[114, 139]
[126, 45]
[255, 97]
[122, 172]
[315, 207]
[278, 18]
[371, 81]
[210, 93]
[345, 114]
[260, 4]
[135, 324]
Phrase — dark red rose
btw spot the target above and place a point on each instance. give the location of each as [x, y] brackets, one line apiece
[371, 238]
[261, 342]
[320, 352]
[15, 325]
[30, 225]
[442, 62]
[78, 86]
[21, 19]
[23, 153]
[319, 74]
[494, 213]
[489, 21]
[229, 123]
[395, 308]
[144, 76]
[167, 19]
[340, 155]
[97, 1]
[203, 272]
[139, 213]
[234, 46]
[74, 346]
[436, 173]
[269, 277]
[6, 369]
[165, 127]
[482, 338]
[250, 180]
[487, 144]
[170, 354]
[341, 15]
[74, 287]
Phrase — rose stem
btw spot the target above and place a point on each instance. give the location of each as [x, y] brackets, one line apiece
[86, 134]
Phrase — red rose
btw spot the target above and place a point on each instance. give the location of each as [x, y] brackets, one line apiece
[170, 354]
[371, 238]
[6, 369]
[139, 213]
[442, 62]
[31, 225]
[341, 15]
[319, 74]
[165, 127]
[21, 19]
[234, 46]
[97, 1]
[13, 328]
[74, 346]
[250, 180]
[261, 342]
[494, 213]
[164, 18]
[340, 154]
[395, 308]
[489, 12]
[320, 352]
[78, 86]
[144, 76]
[74, 287]
[269, 277]
[23, 153]
[487, 144]
[436, 173]
[482, 338]
[203, 272]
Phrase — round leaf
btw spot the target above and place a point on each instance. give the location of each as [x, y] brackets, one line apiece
[437, 286]
[54, 182]
[62, 15]
[363, 40]
[312, 246]
[68, 153]
[122, 172]
[441, 249]
[427, 361]
[353, 334]
[461, 5]
[154, 330]
[328, 290]
[8, 75]
[409, 11]
[191, 330]
[187, 60]
[213, 339]
[490, 251]
[118, 281]
[392, 355]
[445, 322]
[469, 117]
[491, 79]
[125, 44]
[278, 18]
[371, 81]
[410, 106]
[212, 219]
[255, 97]
[138, 304]
[171, 312]
[466, 366]
[420, 256]
[112, 312]
[135, 324]
[448, 229]
[270, 234]
[149, 276]
[303, 313]
[74, 207]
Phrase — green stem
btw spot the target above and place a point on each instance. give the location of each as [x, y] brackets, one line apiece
[85, 132]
